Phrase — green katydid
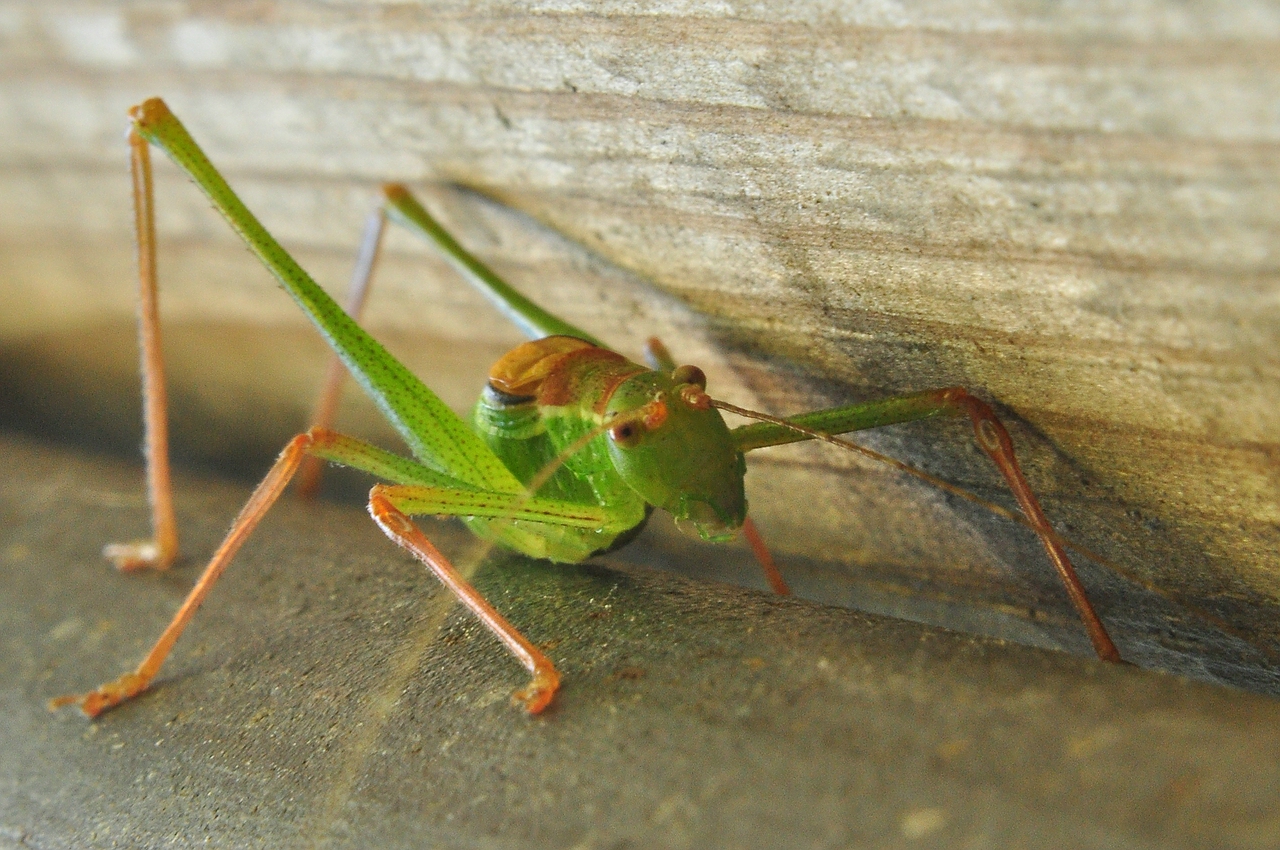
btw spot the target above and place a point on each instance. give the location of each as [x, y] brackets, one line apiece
[570, 448]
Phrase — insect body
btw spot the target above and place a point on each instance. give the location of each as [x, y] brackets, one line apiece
[571, 446]
[665, 446]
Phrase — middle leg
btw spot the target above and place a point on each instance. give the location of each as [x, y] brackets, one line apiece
[992, 438]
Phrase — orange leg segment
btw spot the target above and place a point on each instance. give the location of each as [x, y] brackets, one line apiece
[131, 684]
[397, 525]
[162, 549]
[535, 697]
[770, 568]
[991, 436]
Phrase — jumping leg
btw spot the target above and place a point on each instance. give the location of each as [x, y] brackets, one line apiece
[326, 409]
[401, 206]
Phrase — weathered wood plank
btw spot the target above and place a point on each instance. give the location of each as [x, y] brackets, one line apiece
[1072, 210]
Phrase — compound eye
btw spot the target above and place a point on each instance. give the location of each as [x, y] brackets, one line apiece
[627, 434]
[690, 375]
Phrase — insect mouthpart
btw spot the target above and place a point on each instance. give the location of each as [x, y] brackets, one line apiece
[698, 517]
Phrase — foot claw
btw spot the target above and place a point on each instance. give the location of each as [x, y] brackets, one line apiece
[538, 694]
[109, 695]
[137, 555]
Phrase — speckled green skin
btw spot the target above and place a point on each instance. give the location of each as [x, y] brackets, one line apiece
[436, 436]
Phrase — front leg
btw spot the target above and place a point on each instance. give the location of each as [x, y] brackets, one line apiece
[390, 507]
[992, 438]
[535, 696]
[659, 358]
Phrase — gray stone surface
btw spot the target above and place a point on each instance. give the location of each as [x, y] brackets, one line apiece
[328, 695]
[1070, 208]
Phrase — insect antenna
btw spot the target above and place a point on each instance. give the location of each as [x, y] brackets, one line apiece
[999, 510]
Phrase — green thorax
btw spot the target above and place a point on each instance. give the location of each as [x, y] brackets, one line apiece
[667, 448]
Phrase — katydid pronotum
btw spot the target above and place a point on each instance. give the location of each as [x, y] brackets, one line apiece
[570, 448]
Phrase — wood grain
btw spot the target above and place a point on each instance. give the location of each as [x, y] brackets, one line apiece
[1072, 210]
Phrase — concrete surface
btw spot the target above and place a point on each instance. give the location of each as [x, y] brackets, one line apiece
[327, 696]
[1071, 208]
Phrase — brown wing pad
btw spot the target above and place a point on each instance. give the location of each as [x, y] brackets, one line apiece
[523, 369]
[561, 370]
